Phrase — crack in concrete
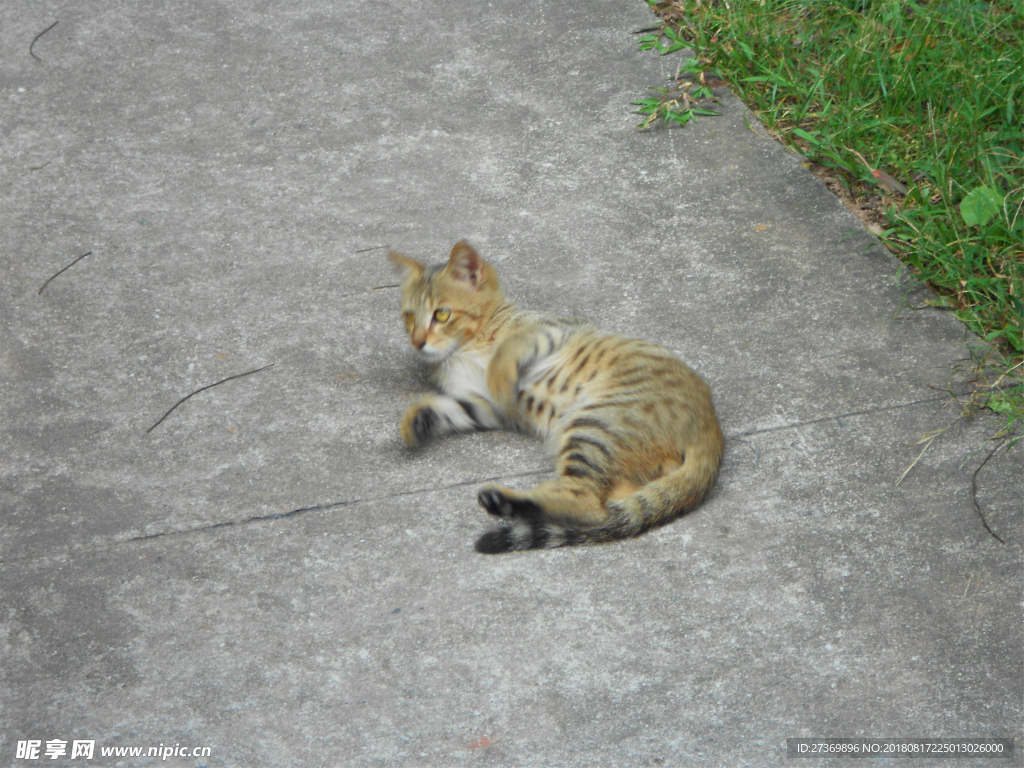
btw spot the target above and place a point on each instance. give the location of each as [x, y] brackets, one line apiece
[246, 521]
[258, 519]
[399, 494]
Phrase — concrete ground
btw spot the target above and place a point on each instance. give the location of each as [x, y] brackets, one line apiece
[271, 574]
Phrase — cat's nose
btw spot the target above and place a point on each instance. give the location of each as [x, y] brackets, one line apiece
[418, 343]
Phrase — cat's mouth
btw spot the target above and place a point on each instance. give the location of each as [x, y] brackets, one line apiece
[433, 356]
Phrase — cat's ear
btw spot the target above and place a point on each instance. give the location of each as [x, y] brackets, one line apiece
[465, 265]
[406, 265]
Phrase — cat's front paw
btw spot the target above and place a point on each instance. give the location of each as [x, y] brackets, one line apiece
[418, 425]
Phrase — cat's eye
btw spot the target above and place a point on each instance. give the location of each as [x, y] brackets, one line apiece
[442, 315]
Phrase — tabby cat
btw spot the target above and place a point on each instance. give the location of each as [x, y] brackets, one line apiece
[633, 429]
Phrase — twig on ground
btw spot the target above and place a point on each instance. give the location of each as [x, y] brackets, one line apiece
[203, 389]
[907, 470]
[880, 176]
[974, 492]
[927, 439]
[34, 39]
[69, 266]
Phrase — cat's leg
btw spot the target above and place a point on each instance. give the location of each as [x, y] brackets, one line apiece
[511, 357]
[556, 513]
[515, 355]
[434, 416]
[575, 498]
[566, 501]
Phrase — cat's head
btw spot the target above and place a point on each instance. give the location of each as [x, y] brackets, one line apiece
[444, 306]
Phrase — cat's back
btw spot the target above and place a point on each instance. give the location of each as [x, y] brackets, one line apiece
[630, 387]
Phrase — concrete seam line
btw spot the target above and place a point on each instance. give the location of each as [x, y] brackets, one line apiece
[823, 419]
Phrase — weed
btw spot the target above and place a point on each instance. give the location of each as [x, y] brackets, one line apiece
[918, 101]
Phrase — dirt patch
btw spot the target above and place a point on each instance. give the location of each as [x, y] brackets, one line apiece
[869, 207]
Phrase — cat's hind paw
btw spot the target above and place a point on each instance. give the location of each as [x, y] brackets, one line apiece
[501, 503]
[495, 502]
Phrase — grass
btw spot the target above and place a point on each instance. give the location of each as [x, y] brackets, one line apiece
[919, 102]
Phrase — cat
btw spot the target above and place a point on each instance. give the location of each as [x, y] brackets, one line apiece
[633, 430]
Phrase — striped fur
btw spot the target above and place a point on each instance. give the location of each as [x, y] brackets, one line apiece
[632, 429]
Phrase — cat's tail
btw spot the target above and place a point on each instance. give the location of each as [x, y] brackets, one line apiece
[654, 504]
